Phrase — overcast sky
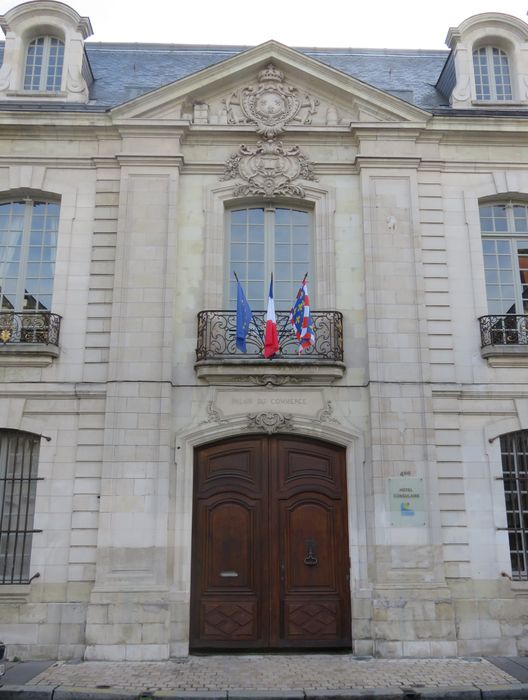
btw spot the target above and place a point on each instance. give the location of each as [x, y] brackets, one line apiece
[418, 24]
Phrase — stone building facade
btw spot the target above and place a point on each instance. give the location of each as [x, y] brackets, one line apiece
[165, 492]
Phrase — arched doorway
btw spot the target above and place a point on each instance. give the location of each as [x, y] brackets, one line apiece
[270, 563]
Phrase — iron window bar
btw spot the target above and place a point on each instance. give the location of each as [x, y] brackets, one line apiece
[216, 337]
[514, 451]
[507, 329]
[18, 484]
[29, 327]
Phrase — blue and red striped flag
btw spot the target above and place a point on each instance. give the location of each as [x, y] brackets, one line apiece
[300, 318]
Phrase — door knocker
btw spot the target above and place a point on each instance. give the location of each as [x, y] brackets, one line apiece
[310, 559]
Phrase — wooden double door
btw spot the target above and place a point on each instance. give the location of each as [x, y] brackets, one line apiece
[270, 563]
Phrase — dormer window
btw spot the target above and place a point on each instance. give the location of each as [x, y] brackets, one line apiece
[492, 74]
[488, 63]
[44, 56]
[44, 60]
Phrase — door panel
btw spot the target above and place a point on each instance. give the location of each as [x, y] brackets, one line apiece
[228, 543]
[270, 545]
[231, 563]
[308, 485]
[307, 547]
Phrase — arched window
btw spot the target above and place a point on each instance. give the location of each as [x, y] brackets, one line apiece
[44, 60]
[514, 451]
[492, 74]
[18, 485]
[504, 228]
[28, 242]
[266, 239]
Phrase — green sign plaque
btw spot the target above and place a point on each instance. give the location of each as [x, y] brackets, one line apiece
[406, 502]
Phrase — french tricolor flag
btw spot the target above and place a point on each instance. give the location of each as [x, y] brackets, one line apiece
[271, 338]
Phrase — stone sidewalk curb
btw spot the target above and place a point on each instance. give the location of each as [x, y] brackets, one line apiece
[26, 692]
[502, 692]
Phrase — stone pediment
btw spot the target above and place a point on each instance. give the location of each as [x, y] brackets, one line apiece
[270, 89]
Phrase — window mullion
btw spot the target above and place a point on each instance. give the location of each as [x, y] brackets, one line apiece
[269, 248]
[491, 73]
[510, 218]
[43, 84]
[24, 256]
[519, 307]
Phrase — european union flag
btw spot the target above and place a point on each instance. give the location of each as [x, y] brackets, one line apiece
[244, 316]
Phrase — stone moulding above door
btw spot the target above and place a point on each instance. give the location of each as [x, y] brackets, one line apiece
[301, 411]
[269, 422]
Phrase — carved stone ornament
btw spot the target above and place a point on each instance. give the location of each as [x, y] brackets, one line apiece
[268, 169]
[463, 90]
[270, 105]
[213, 414]
[326, 415]
[76, 83]
[270, 422]
[5, 77]
[271, 380]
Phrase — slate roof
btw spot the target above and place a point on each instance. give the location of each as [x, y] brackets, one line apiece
[126, 70]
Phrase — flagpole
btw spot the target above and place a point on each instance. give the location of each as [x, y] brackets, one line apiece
[280, 334]
[275, 314]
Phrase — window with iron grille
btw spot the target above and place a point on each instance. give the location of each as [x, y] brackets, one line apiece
[19, 453]
[514, 449]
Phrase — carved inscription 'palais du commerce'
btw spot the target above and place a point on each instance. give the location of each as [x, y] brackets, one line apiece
[305, 403]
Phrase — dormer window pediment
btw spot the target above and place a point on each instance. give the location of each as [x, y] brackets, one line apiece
[44, 54]
[489, 53]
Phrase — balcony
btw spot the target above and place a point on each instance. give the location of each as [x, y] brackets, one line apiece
[504, 340]
[29, 337]
[218, 360]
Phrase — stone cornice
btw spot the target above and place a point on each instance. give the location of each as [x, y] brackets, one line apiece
[58, 122]
[33, 11]
[486, 21]
[505, 124]
[411, 163]
[67, 392]
[149, 159]
[472, 393]
[49, 161]
[448, 166]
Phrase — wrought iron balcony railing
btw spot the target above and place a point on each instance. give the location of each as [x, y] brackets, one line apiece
[29, 327]
[217, 337]
[509, 329]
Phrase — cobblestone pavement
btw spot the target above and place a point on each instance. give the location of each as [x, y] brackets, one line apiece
[275, 672]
